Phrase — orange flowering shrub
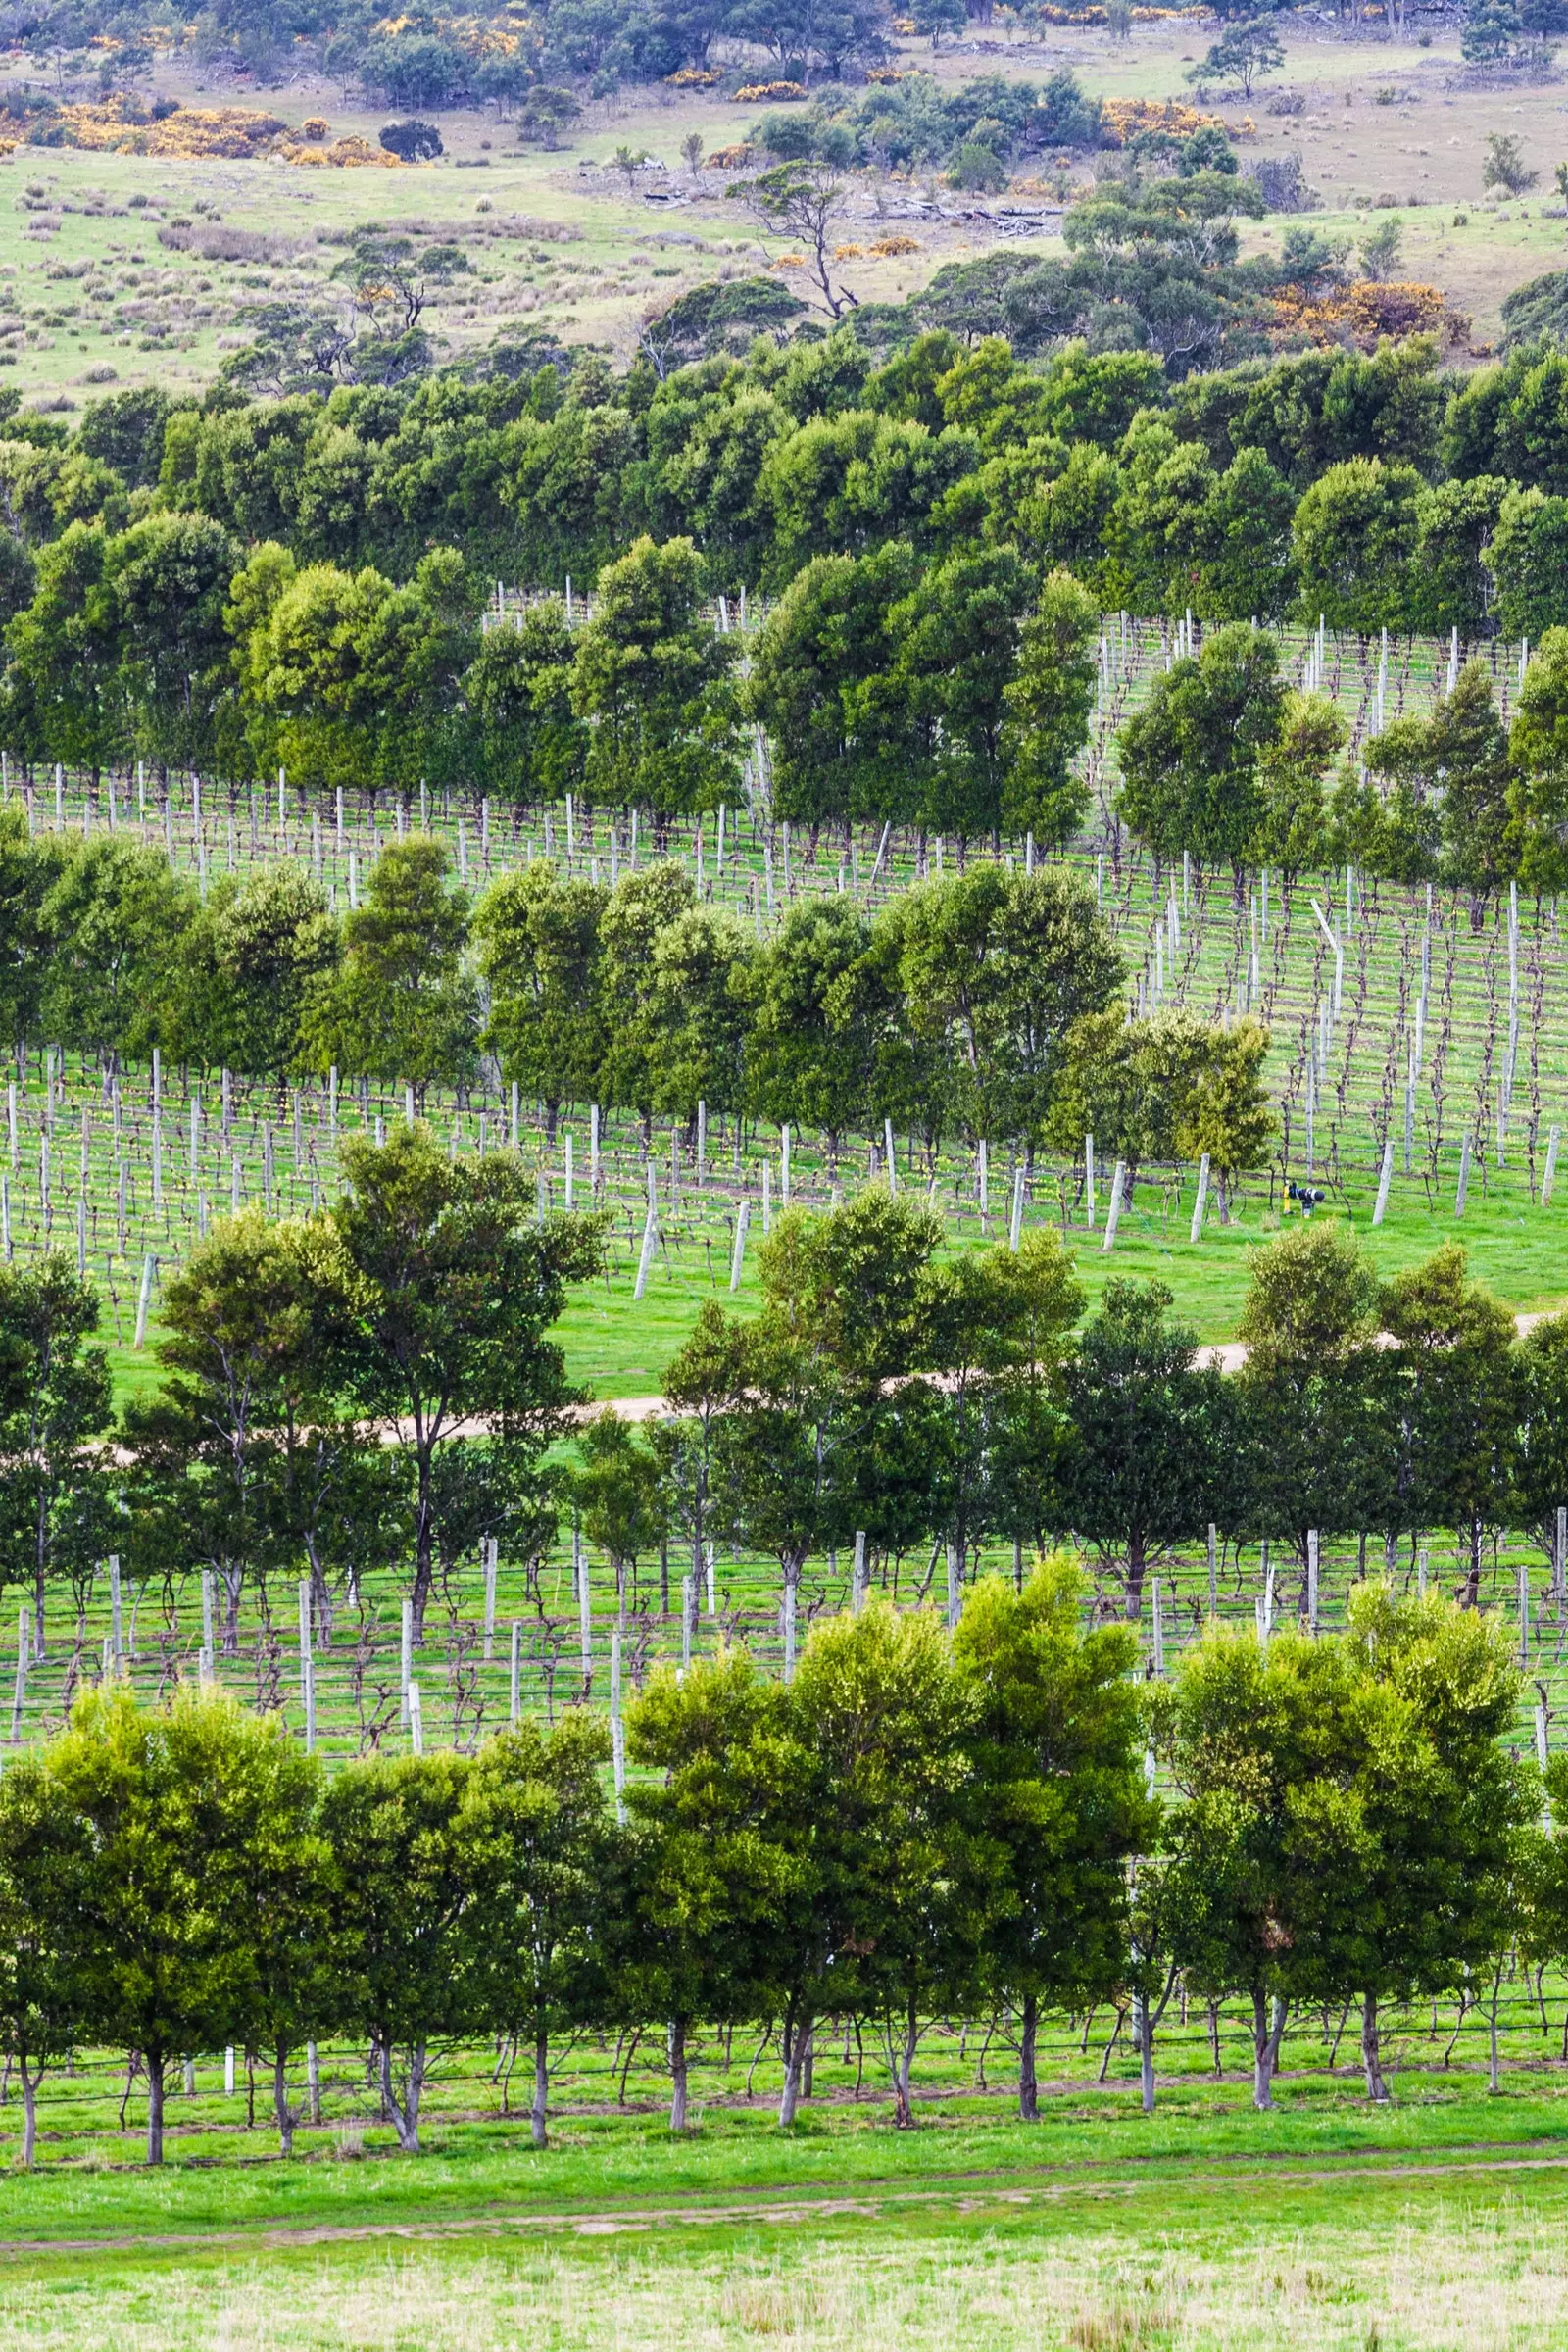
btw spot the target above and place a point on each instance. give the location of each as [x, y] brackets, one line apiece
[694, 77]
[728, 159]
[887, 248]
[344, 155]
[776, 93]
[1365, 312]
[1125, 118]
[191, 133]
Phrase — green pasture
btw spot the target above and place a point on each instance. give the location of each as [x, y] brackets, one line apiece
[1436, 2222]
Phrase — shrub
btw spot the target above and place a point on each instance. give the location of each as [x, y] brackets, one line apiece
[412, 141]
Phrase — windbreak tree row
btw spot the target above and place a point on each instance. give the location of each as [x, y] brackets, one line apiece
[921, 1824]
[379, 1392]
[238, 585]
[987, 1004]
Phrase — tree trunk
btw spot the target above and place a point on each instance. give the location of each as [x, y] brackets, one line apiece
[541, 2089]
[794, 2057]
[31, 2077]
[423, 1542]
[1266, 2037]
[286, 2116]
[903, 2060]
[1028, 2088]
[1377, 2091]
[677, 2073]
[404, 2112]
[1137, 1561]
[1144, 2036]
[154, 2105]
[1494, 2081]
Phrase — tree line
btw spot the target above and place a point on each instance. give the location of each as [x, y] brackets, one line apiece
[922, 1823]
[232, 585]
[985, 1004]
[890, 1400]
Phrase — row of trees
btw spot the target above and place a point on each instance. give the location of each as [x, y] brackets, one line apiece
[241, 584]
[887, 1396]
[984, 1002]
[918, 1824]
[1224, 760]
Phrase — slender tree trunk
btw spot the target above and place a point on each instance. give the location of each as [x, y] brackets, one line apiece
[541, 2089]
[423, 1544]
[677, 2073]
[1028, 2087]
[1377, 2091]
[903, 2061]
[154, 2105]
[1493, 2081]
[1266, 2037]
[286, 2117]
[1137, 1561]
[794, 2057]
[404, 2112]
[31, 2077]
[1144, 2035]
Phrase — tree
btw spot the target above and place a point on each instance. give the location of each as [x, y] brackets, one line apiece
[402, 1838]
[956, 645]
[1310, 1391]
[518, 689]
[811, 1040]
[1244, 51]
[168, 579]
[45, 1850]
[1260, 1741]
[65, 648]
[697, 997]
[1293, 827]
[296, 1956]
[412, 141]
[814, 663]
[454, 1291]
[619, 1493]
[1226, 1115]
[1457, 1392]
[1152, 1433]
[653, 678]
[400, 1005]
[993, 970]
[905, 1870]
[54, 1406]
[176, 1804]
[802, 200]
[994, 1327]
[1049, 701]
[1380, 249]
[719, 1851]
[1538, 751]
[1129, 1084]
[539, 1839]
[113, 920]
[1055, 1754]
[1355, 535]
[638, 910]
[1189, 757]
[1504, 164]
[28, 870]
[258, 953]
[1442, 1806]
[539, 949]
[244, 1458]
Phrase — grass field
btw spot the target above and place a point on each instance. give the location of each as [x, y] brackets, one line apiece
[1436, 2222]
[558, 241]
